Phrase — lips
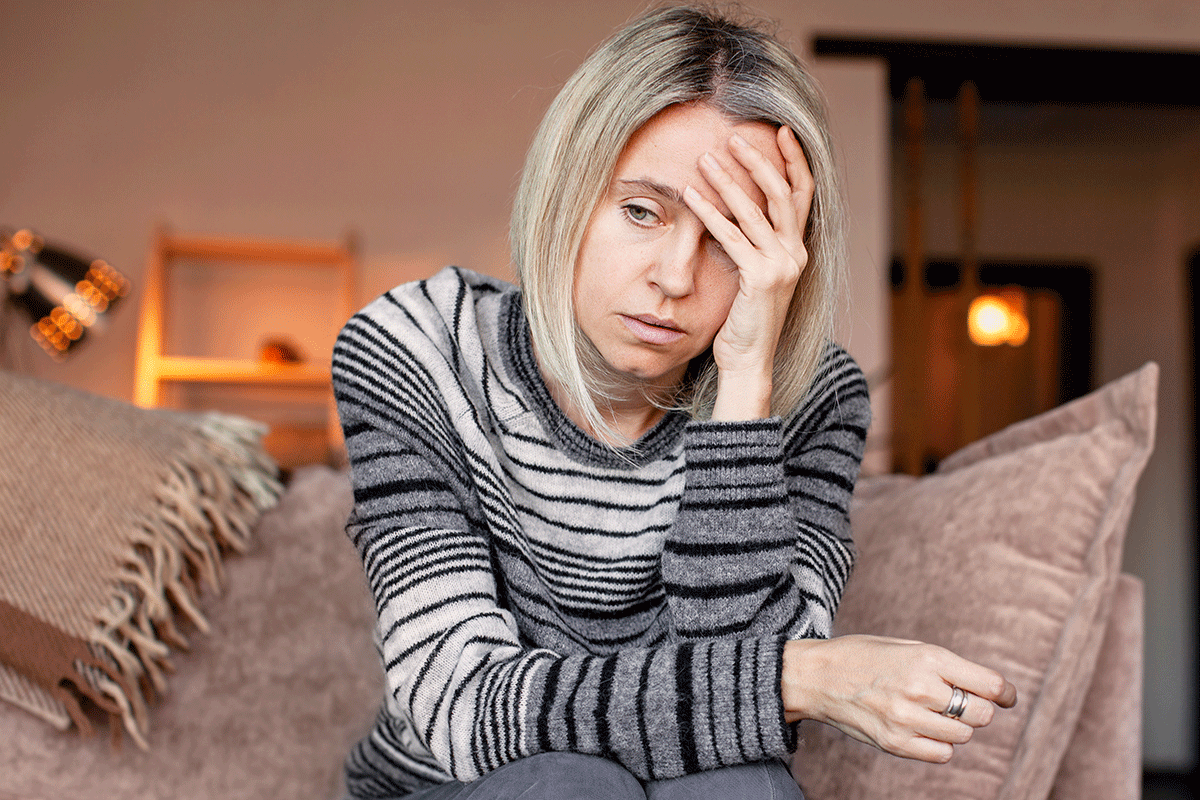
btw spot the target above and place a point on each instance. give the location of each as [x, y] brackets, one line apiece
[652, 330]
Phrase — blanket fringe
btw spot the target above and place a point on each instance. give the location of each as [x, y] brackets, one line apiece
[208, 504]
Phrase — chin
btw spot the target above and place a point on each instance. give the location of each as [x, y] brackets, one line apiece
[650, 375]
[644, 368]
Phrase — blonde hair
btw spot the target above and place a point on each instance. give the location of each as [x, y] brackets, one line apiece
[668, 56]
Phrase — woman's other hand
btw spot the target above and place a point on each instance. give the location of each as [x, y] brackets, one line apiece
[891, 693]
[769, 253]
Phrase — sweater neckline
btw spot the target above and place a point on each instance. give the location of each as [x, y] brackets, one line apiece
[658, 442]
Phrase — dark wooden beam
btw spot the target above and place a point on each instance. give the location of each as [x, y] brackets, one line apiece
[1029, 73]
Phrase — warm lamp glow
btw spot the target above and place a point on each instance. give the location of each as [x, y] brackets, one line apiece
[995, 319]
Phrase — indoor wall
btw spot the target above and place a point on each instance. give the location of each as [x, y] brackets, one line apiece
[408, 121]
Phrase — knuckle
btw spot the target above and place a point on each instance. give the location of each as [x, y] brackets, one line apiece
[722, 177]
[753, 155]
[780, 276]
[890, 740]
[895, 709]
[797, 256]
[928, 656]
[727, 228]
[754, 215]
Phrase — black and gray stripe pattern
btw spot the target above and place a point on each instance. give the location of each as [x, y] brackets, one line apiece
[536, 591]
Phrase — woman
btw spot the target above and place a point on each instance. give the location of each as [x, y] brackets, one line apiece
[605, 516]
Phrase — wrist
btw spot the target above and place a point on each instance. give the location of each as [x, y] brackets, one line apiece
[801, 664]
[742, 395]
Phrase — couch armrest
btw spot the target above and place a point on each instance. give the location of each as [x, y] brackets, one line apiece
[1104, 758]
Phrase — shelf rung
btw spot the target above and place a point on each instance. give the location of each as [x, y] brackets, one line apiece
[190, 369]
[253, 250]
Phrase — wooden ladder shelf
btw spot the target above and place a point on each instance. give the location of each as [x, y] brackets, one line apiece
[155, 367]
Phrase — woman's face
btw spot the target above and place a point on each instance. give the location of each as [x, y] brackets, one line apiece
[652, 287]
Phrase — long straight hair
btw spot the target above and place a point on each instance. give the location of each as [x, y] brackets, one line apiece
[666, 57]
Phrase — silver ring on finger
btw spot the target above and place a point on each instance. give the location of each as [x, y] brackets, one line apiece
[958, 703]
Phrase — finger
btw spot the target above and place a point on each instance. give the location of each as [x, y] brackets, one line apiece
[979, 680]
[724, 230]
[780, 208]
[922, 748]
[799, 175]
[915, 746]
[988, 685]
[754, 224]
[976, 711]
[944, 729]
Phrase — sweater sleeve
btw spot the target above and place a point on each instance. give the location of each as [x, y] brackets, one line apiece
[464, 693]
[761, 545]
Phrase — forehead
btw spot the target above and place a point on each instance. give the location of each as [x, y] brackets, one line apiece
[668, 148]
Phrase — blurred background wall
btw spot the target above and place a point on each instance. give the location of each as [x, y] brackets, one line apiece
[407, 123]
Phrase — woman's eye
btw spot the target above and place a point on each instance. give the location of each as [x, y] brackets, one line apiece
[640, 214]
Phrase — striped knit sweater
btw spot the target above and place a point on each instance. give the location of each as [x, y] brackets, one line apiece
[537, 591]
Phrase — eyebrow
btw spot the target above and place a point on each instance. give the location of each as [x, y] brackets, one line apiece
[662, 190]
[654, 187]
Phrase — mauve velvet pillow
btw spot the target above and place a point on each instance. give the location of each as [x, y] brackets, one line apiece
[1007, 555]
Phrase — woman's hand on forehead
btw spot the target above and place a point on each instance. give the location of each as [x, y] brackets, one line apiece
[769, 253]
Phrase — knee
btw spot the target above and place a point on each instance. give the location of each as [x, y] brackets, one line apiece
[573, 775]
[743, 782]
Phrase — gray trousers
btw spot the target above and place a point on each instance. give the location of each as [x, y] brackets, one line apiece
[570, 776]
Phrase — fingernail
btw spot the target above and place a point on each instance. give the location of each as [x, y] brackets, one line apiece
[737, 139]
[710, 161]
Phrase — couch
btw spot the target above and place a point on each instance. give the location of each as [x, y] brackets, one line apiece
[1010, 554]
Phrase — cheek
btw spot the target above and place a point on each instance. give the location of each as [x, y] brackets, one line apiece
[583, 283]
[593, 261]
[720, 291]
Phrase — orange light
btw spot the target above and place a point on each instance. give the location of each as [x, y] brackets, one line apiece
[995, 319]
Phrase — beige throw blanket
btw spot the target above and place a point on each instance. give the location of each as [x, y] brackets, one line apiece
[112, 519]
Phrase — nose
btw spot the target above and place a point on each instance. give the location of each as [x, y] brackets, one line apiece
[675, 264]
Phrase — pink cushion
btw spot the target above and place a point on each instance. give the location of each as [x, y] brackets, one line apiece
[1104, 759]
[1008, 555]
